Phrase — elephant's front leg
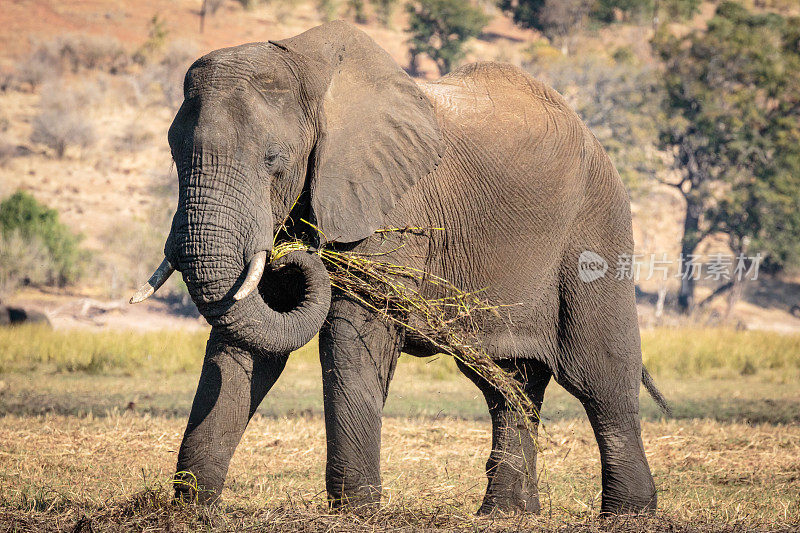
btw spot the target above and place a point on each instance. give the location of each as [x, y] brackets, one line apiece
[232, 384]
[358, 351]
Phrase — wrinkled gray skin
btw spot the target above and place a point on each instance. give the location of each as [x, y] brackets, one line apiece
[494, 157]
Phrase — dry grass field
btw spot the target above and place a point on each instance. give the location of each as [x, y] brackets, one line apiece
[91, 446]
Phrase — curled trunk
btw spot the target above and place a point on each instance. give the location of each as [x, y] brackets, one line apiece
[287, 311]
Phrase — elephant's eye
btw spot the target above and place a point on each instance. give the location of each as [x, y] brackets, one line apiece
[271, 158]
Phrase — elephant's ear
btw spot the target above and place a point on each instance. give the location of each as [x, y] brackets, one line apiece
[378, 134]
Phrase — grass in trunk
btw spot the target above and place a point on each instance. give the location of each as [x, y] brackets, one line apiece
[451, 322]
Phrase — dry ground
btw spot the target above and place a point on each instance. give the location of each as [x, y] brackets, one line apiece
[710, 475]
[97, 447]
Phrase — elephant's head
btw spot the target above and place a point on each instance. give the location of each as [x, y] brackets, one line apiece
[325, 125]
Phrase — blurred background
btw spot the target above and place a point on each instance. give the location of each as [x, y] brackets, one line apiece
[697, 102]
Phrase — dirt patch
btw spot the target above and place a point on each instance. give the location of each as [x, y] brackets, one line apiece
[68, 311]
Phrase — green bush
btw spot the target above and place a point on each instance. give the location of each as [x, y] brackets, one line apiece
[37, 239]
[555, 18]
[633, 10]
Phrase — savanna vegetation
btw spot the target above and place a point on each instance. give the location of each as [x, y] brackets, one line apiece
[35, 247]
[697, 109]
[91, 423]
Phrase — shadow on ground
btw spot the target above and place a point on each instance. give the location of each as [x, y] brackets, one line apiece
[81, 395]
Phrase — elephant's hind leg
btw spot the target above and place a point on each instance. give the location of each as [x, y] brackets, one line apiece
[511, 468]
[601, 365]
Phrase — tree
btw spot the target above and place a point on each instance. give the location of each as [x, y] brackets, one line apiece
[733, 102]
[440, 28]
[557, 19]
[613, 10]
[620, 102]
[209, 8]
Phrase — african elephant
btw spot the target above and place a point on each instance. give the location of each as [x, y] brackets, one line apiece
[325, 127]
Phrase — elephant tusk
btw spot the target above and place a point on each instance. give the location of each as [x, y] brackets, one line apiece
[254, 272]
[162, 274]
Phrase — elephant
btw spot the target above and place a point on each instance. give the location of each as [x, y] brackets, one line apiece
[324, 137]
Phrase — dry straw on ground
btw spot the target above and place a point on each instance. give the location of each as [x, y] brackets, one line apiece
[111, 473]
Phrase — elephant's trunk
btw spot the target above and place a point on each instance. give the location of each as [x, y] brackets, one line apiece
[286, 312]
[221, 224]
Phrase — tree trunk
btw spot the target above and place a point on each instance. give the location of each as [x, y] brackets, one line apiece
[662, 296]
[733, 297]
[203, 11]
[691, 238]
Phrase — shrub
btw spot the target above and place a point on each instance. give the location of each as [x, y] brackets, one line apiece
[357, 10]
[61, 121]
[165, 76]
[282, 9]
[384, 10]
[557, 19]
[69, 54]
[36, 247]
[22, 261]
[134, 137]
[7, 150]
[156, 40]
[135, 247]
[633, 10]
[327, 9]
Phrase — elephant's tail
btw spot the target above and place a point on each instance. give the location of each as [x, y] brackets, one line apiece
[650, 386]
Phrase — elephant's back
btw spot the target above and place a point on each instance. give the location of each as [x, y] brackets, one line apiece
[500, 103]
[510, 191]
[497, 118]
[494, 80]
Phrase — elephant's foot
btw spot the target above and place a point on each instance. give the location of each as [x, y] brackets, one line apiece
[628, 486]
[190, 489]
[362, 500]
[511, 502]
[627, 504]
